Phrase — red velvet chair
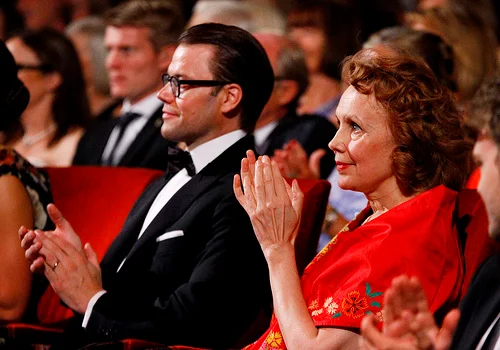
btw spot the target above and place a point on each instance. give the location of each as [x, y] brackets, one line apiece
[96, 201]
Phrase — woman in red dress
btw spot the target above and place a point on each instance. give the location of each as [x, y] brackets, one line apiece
[400, 142]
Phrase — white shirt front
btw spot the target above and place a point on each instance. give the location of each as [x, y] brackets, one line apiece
[146, 108]
[261, 134]
[202, 156]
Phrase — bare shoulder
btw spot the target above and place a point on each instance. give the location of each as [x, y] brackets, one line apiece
[12, 191]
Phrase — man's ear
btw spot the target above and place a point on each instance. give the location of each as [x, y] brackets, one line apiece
[52, 80]
[232, 95]
[165, 56]
[287, 91]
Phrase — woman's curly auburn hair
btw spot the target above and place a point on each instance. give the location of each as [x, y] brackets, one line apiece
[424, 120]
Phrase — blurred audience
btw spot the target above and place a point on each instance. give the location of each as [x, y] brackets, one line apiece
[10, 19]
[409, 324]
[87, 34]
[390, 117]
[249, 15]
[279, 123]
[24, 194]
[472, 39]
[58, 112]
[430, 47]
[57, 14]
[327, 32]
[140, 39]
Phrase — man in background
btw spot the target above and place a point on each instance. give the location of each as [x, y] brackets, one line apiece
[140, 38]
[279, 123]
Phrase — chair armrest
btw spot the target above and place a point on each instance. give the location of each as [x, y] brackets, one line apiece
[16, 333]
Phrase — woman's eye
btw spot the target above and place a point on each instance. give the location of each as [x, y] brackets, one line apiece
[355, 127]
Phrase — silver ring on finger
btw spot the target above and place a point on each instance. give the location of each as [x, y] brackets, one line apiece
[55, 265]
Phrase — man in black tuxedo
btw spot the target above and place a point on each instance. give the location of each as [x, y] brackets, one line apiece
[279, 123]
[186, 267]
[477, 324]
[140, 38]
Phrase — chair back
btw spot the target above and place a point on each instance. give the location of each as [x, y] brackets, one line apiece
[316, 194]
[96, 201]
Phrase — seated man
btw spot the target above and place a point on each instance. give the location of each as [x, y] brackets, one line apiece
[279, 123]
[140, 41]
[408, 322]
[186, 267]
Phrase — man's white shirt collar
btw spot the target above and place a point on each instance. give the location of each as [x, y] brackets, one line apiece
[208, 151]
[145, 107]
[261, 134]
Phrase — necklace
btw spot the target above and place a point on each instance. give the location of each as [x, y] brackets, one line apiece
[32, 139]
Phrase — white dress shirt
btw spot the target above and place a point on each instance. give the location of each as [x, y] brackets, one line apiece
[261, 134]
[146, 108]
[202, 156]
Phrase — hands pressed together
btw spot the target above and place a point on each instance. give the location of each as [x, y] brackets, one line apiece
[274, 207]
[73, 272]
[408, 322]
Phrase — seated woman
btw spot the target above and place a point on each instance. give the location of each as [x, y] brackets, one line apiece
[58, 110]
[400, 142]
[24, 194]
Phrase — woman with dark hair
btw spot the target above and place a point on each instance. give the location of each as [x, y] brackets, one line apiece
[401, 143]
[24, 195]
[327, 32]
[58, 111]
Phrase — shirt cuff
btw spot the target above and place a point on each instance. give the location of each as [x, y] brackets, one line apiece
[90, 307]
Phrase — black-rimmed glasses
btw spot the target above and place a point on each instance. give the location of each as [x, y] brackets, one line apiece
[175, 83]
[45, 68]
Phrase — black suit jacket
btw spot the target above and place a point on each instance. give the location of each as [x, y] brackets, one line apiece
[480, 306]
[311, 131]
[203, 288]
[148, 150]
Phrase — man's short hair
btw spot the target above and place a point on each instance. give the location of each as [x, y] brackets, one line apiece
[482, 107]
[163, 18]
[291, 65]
[239, 58]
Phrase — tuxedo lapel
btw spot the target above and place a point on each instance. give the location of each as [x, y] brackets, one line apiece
[142, 141]
[227, 162]
[131, 228]
[480, 306]
[488, 309]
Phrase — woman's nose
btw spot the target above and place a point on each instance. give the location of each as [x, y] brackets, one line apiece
[338, 143]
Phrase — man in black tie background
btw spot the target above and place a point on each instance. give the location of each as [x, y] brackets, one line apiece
[140, 38]
[186, 267]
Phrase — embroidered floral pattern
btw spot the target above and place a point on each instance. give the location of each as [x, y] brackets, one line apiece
[313, 304]
[330, 306]
[353, 304]
[274, 340]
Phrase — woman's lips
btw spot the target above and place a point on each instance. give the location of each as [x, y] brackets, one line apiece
[342, 165]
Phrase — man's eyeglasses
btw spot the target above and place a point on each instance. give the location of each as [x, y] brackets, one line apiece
[175, 83]
[45, 68]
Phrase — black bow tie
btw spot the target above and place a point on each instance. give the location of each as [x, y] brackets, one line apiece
[178, 160]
